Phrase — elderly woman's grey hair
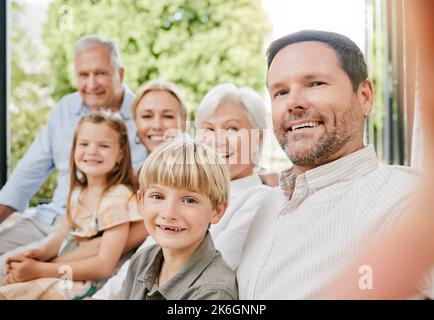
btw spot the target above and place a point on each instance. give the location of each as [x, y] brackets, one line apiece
[246, 97]
[92, 41]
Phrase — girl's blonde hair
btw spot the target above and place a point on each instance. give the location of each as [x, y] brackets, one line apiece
[122, 173]
[160, 85]
[182, 163]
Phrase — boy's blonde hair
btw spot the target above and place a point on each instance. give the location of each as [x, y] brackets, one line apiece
[182, 163]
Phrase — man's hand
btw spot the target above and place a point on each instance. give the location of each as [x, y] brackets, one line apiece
[5, 211]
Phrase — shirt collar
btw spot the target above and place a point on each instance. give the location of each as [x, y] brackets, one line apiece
[241, 185]
[149, 275]
[200, 259]
[352, 166]
[81, 108]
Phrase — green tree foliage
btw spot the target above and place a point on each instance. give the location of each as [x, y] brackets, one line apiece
[195, 43]
[30, 101]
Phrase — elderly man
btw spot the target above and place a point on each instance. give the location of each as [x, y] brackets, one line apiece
[336, 196]
[99, 75]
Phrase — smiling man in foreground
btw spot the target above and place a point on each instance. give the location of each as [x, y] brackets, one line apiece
[336, 197]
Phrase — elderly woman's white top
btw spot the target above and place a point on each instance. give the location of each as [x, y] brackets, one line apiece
[229, 234]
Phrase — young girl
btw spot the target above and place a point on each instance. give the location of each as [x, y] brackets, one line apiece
[100, 204]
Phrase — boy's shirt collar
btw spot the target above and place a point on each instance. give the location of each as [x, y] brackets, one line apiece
[176, 285]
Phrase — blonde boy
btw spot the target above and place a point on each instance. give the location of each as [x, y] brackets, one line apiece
[184, 187]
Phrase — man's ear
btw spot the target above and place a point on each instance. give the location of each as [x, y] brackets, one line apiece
[256, 139]
[218, 212]
[261, 136]
[139, 196]
[365, 94]
[183, 123]
[121, 74]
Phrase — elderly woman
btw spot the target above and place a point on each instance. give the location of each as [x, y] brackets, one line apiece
[232, 121]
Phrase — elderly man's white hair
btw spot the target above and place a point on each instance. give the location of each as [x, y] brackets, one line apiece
[92, 41]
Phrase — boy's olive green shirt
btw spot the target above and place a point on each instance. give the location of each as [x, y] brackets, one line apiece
[206, 276]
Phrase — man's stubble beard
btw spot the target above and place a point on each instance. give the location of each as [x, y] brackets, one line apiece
[328, 144]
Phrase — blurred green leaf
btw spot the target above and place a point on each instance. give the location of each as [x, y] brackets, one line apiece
[30, 102]
[196, 44]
